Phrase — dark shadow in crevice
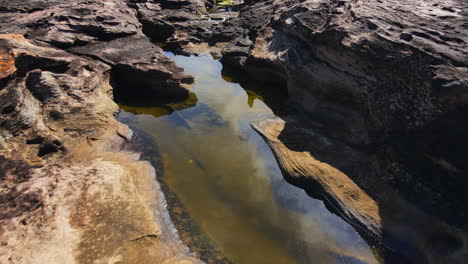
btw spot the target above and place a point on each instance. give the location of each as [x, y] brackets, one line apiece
[435, 159]
[136, 94]
[134, 87]
[273, 92]
[50, 148]
[4, 81]
[26, 63]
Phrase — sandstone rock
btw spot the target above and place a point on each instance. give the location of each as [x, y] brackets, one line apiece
[329, 51]
[68, 192]
[387, 79]
[139, 64]
[60, 147]
[109, 31]
[43, 85]
[384, 81]
[316, 163]
[65, 24]
[161, 19]
[180, 25]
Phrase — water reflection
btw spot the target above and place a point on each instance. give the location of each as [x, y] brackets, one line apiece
[138, 105]
[229, 182]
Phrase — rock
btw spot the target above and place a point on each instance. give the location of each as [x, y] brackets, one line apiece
[385, 78]
[380, 90]
[161, 19]
[183, 27]
[139, 64]
[316, 163]
[68, 191]
[65, 24]
[61, 156]
[106, 30]
[43, 85]
[317, 47]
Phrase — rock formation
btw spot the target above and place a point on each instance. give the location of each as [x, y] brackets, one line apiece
[380, 90]
[378, 130]
[70, 192]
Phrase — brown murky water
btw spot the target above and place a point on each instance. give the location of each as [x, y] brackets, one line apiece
[229, 183]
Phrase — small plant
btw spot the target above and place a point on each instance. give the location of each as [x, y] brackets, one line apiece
[225, 2]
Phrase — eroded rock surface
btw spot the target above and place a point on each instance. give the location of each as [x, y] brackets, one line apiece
[138, 63]
[109, 31]
[316, 163]
[184, 26]
[353, 53]
[380, 89]
[69, 193]
[386, 81]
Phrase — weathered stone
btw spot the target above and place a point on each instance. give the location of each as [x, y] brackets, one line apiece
[316, 162]
[139, 64]
[68, 192]
[66, 24]
[387, 79]
[43, 85]
[106, 30]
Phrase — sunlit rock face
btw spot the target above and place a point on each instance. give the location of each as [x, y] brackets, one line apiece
[379, 90]
[69, 192]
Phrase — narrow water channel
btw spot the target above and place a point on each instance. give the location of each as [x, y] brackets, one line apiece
[228, 181]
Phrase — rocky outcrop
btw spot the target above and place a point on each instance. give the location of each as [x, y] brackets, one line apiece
[379, 89]
[69, 23]
[138, 63]
[182, 26]
[69, 193]
[162, 19]
[315, 162]
[108, 31]
[341, 51]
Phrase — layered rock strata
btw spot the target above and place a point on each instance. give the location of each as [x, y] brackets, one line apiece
[69, 191]
[380, 90]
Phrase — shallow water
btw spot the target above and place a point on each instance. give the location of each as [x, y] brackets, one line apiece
[229, 183]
